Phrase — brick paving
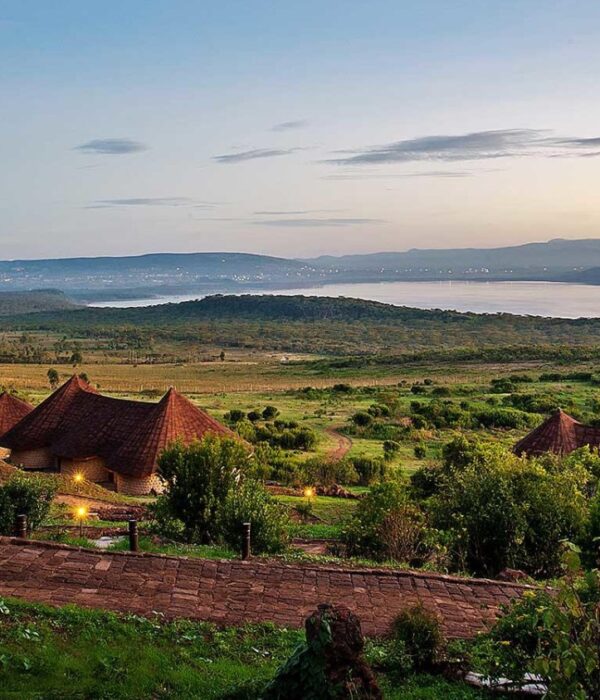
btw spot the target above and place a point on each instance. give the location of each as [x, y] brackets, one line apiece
[234, 592]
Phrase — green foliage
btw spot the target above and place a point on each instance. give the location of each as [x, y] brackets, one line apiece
[251, 503]
[420, 451]
[53, 378]
[362, 419]
[25, 495]
[318, 471]
[234, 416]
[370, 470]
[555, 635]
[270, 412]
[390, 449]
[503, 511]
[420, 634]
[198, 480]
[386, 525]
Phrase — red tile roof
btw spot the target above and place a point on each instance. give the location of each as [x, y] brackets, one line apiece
[77, 422]
[560, 434]
[12, 410]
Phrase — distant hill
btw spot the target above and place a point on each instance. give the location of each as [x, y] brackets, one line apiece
[555, 255]
[162, 274]
[12, 303]
[590, 276]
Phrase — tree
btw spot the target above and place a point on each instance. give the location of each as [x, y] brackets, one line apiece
[198, 480]
[53, 378]
[76, 358]
[222, 355]
[25, 495]
[503, 511]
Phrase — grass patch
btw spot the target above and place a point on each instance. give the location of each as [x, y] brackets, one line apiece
[75, 654]
[201, 551]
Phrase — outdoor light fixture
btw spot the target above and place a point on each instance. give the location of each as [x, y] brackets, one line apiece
[309, 492]
[81, 514]
[78, 477]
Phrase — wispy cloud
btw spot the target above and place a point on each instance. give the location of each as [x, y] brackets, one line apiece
[111, 147]
[295, 212]
[314, 223]
[288, 126]
[150, 202]
[254, 154]
[479, 145]
[391, 176]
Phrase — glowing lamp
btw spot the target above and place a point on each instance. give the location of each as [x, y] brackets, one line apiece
[81, 513]
[78, 477]
[309, 492]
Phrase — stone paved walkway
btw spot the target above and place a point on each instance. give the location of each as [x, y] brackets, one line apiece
[234, 592]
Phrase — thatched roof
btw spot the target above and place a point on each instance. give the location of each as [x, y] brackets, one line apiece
[559, 434]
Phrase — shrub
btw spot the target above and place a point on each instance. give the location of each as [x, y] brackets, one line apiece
[270, 412]
[25, 495]
[370, 470]
[420, 634]
[362, 419]
[440, 391]
[556, 636]
[322, 472]
[235, 415]
[254, 416]
[502, 511]
[252, 503]
[420, 451]
[386, 525]
[198, 480]
[377, 410]
[390, 449]
[418, 389]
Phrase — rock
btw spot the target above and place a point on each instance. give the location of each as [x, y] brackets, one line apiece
[512, 575]
[330, 665]
[335, 491]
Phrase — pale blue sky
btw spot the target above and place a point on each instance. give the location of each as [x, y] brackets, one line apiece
[296, 128]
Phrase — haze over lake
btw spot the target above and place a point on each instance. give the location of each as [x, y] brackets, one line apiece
[524, 298]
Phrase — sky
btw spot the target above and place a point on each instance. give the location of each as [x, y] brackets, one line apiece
[296, 127]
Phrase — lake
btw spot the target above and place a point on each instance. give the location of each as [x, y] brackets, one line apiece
[523, 298]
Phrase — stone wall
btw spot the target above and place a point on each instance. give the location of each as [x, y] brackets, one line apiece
[92, 469]
[138, 486]
[41, 458]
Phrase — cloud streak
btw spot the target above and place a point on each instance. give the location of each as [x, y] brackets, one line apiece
[288, 126]
[479, 145]
[111, 147]
[316, 223]
[254, 154]
[149, 202]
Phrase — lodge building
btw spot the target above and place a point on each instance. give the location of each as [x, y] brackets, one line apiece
[559, 434]
[78, 430]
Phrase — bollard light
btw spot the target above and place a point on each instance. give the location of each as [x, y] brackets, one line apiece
[81, 514]
[21, 527]
[133, 536]
[246, 550]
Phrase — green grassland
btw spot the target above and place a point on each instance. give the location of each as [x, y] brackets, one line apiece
[76, 654]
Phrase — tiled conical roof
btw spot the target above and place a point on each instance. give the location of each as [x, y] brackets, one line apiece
[173, 418]
[559, 434]
[38, 428]
[12, 410]
[77, 422]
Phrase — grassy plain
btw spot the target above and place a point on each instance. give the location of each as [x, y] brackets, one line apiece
[72, 654]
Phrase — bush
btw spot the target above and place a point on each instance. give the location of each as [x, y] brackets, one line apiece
[235, 416]
[386, 525]
[370, 470]
[420, 451]
[556, 636]
[198, 480]
[418, 389]
[420, 634]
[254, 416]
[362, 419]
[251, 503]
[390, 449]
[270, 412]
[322, 472]
[502, 511]
[25, 495]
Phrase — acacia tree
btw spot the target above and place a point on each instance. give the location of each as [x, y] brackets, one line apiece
[53, 378]
[198, 479]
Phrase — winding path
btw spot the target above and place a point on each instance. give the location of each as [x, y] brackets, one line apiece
[235, 592]
[344, 444]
